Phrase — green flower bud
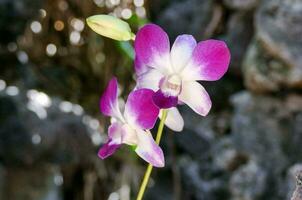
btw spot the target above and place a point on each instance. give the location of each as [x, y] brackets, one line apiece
[111, 27]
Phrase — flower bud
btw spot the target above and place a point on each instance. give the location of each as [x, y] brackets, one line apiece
[111, 27]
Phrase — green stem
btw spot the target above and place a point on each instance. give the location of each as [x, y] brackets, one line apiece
[150, 167]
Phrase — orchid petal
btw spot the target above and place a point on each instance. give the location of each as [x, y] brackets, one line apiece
[164, 101]
[108, 149]
[129, 135]
[181, 51]
[114, 141]
[174, 120]
[109, 100]
[209, 62]
[150, 79]
[194, 95]
[115, 132]
[152, 47]
[140, 67]
[148, 150]
[140, 110]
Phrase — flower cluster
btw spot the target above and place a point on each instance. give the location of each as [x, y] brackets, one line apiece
[131, 127]
[165, 78]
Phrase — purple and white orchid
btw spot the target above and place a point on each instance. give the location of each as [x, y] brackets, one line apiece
[133, 126]
[165, 78]
[173, 74]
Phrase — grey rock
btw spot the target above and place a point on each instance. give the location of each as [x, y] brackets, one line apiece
[248, 182]
[261, 123]
[199, 18]
[294, 141]
[239, 33]
[241, 4]
[193, 143]
[292, 186]
[275, 61]
[210, 127]
[225, 156]
[203, 182]
[297, 195]
[262, 73]
[279, 28]
[268, 130]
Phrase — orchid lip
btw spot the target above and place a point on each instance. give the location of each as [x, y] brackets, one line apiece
[164, 101]
[171, 85]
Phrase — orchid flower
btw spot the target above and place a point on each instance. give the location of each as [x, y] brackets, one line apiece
[131, 127]
[173, 74]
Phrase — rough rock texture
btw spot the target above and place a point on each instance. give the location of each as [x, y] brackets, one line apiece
[239, 34]
[199, 18]
[279, 27]
[253, 135]
[262, 73]
[293, 182]
[241, 4]
[274, 61]
[248, 182]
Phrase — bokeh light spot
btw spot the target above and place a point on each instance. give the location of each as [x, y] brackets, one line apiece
[22, 57]
[59, 25]
[12, 47]
[77, 24]
[63, 5]
[2, 85]
[36, 27]
[51, 49]
[126, 13]
[141, 12]
[42, 13]
[36, 139]
[138, 3]
[12, 90]
[75, 37]
[65, 106]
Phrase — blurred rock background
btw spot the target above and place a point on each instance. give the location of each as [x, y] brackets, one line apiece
[53, 70]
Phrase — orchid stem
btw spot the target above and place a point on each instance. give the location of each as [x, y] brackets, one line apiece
[150, 167]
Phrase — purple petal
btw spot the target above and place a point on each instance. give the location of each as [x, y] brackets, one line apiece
[140, 68]
[140, 109]
[115, 132]
[164, 101]
[210, 61]
[152, 47]
[181, 51]
[109, 101]
[148, 150]
[108, 149]
[195, 96]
